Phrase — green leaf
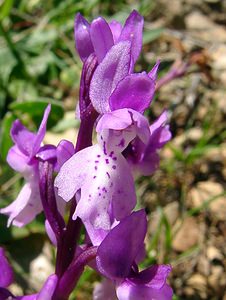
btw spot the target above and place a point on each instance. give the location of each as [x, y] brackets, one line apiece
[35, 110]
[38, 65]
[151, 35]
[5, 139]
[5, 8]
[7, 63]
[41, 37]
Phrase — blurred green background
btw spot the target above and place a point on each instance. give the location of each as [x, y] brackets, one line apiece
[185, 199]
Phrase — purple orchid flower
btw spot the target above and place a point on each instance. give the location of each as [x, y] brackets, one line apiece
[6, 278]
[123, 243]
[103, 174]
[109, 53]
[22, 158]
[112, 86]
[144, 158]
[99, 36]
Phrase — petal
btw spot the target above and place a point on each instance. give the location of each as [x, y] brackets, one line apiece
[83, 41]
[28, 142]
[104, 291]
[116, 29]
[96, 235]
[132, 31]
[48, 289]
[154, 276]
[23, 138]
[26, 206]
[28, 297]
[113, 68]
[64, 151]
[134, 91]
[17, 160]
[129, 291]
[118, 251]
[41, 132]
[117, 120]
[73, 173]
[101, 37]
[154, 71]
[47, 152]
[108, 190]
[122, 119]
[6, 274]
[147, 165]
[160, 134]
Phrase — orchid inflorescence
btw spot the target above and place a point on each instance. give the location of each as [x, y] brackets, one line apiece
[97, 180]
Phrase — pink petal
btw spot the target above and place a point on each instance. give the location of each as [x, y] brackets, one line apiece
[132, 31]
[64, 151]
[118, 251]
[26, 206]
[41, 132]
[125, 119]
[134, 91]
[23, 138]
[116, 29]
[104, 291]
[109, 185]
[129, 291]
[48, 289]
[17, 160]
[154, 71]
[83, 41]
[113, 68]
[72, 174]
[101, 37]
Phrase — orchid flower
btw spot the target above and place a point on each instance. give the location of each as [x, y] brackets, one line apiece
[97, 179]
[102, 173]
[22, 158]
[123, 243]
[109, 55]
[144, 158]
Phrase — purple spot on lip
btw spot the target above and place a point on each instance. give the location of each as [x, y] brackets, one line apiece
[94, 177]
[104, 148]
[114, 158]
[111, 154]
[114, 167]
[111, 185]
[96, 161]
[107, 161]
[98, 188]
[122, 143]
[99, 194]
[95, 168]
[98, 155]
[108, 175]
[104, 189]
